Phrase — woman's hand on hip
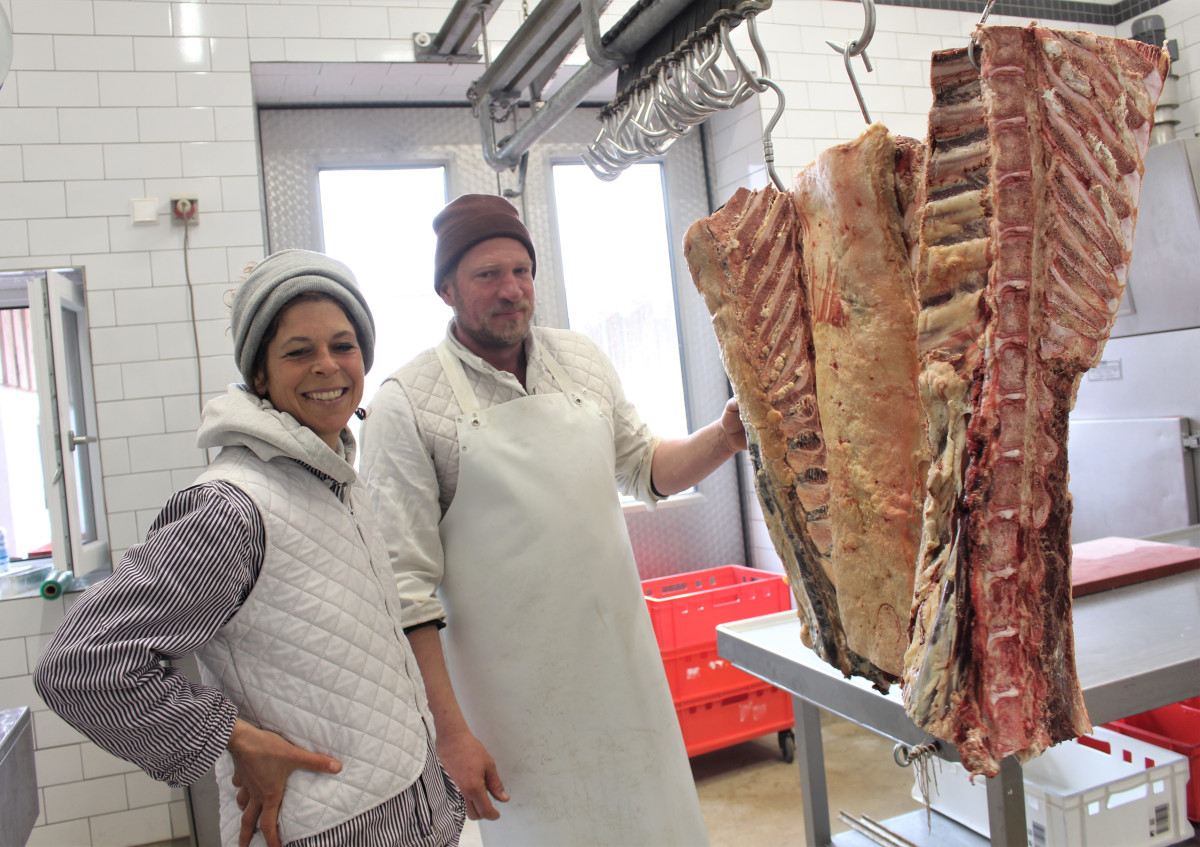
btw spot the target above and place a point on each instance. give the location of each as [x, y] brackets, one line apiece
[474, 772]
[262, 763]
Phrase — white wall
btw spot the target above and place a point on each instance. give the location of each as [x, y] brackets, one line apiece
[111, 100]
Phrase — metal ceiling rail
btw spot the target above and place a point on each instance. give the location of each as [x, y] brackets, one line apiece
[455, 41]
[532, 60]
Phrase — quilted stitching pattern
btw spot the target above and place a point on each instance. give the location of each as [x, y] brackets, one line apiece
[316, 655]
[436, 407]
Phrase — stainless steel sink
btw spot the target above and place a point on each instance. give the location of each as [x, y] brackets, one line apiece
[18, 779]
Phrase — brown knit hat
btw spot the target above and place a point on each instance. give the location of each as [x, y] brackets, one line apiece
[468, 220]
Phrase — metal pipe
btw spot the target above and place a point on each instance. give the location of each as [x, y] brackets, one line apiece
[649, 22]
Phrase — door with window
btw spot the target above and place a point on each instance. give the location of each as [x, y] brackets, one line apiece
[364, 185]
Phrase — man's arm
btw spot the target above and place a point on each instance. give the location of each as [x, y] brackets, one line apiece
[466, 759]
[679, 463]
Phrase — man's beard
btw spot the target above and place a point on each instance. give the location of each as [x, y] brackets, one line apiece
[506, 339]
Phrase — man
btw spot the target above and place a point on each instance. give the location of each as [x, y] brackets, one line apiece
[507, 525]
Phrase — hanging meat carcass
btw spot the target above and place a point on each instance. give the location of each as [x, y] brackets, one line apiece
[1033, 181]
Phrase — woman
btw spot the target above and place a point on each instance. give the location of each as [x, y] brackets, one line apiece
[271, 570]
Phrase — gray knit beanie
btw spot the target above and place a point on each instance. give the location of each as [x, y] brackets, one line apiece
[271, 286]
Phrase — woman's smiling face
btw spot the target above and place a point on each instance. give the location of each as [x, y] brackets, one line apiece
[314, 368]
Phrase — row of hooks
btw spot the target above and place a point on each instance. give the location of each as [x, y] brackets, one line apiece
[681, 90]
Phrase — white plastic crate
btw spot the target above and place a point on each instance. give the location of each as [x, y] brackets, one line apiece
[1134, 795]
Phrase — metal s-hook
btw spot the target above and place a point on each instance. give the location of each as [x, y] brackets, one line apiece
[859, 47]
[973, 45]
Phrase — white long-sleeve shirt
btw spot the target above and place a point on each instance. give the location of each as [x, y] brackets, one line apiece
[410, 447]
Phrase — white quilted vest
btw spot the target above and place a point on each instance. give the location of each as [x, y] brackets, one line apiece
[317, 653]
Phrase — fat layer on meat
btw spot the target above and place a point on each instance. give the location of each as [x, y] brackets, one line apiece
[864, 314]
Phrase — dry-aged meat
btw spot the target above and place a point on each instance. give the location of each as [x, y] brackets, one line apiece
[1066, 120]
[864, 312]
[745, 262]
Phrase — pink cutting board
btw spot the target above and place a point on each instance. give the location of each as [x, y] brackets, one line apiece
[1112, 562]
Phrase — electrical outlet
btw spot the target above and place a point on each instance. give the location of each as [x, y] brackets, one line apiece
[185, 209]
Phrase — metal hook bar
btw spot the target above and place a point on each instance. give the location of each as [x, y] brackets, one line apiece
[973, 44]
[768, 146]
[858, 47]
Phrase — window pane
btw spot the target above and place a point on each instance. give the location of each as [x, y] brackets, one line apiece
[619, 284]
[23, 514]
[379, 221]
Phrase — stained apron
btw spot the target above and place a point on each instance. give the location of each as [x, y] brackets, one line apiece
[548, 640]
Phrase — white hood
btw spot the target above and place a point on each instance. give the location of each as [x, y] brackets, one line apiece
[242, 419]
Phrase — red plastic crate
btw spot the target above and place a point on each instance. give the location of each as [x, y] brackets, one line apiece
[703, 674]
[737, 716]
[686, 608]
[1176, 728]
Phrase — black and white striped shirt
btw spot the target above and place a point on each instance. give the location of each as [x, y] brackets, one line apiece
[103, 670]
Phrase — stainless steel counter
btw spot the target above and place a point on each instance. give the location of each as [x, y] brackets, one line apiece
[18, 780]
[1137, 648]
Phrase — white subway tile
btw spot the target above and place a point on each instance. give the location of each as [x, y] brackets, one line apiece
[138, 491]
[267, 50]
[240, 194]
[380, 50]
[152, 822]
[114, 452]
[157, 380]
[69, 834]
[146, 161]
[98, 762]
[84, 799]
[319, 50]
[183, 477]
[171, 451]
[203, 266]
[193, 123]
[220, 158]
[123, 531]
[210, 89]
[175, 340]
[228, 228]
[29, 126]
[212, 301]
[290, 21]
[181, 820]
[58, 88]
[18, 692]
[79, 126]
[152, 305]
[32, 200]
[403, 22]
[102, 196]
[126, 237]
[52, 16]
[108, 386]
[93, 53]
[171, 54]
[35, 645]
[49, 730]
[131, 17]
[11, 167]
[144, 790]
[68, 235]
[211, 19]
[235, 123]
[141, 88]
[13, 661]
[14, 239]
[353, 22]
[121, 344]
[33, 52]
[63, 161]
[56, 765]
[229, 54]
[107, 271]
[182, 415]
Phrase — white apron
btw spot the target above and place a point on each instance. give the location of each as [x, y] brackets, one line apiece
[547, 636]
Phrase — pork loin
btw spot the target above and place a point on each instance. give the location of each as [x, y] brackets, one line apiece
[1066, 122]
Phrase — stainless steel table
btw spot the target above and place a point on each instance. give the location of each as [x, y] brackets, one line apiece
[1137, 648]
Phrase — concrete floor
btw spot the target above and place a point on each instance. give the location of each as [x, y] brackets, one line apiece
[750, 796]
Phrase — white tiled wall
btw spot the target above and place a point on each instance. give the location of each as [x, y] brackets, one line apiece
[111, 100]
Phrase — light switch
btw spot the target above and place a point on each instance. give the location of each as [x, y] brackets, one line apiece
[145, 210]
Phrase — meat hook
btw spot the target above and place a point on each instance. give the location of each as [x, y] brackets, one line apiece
[859, 47]
[905, 755]
[973, 44]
